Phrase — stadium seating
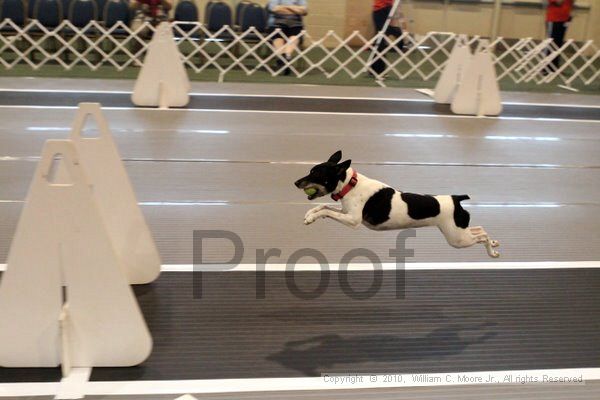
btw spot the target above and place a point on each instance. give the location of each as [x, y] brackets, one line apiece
[218, 14]
[48, 12]
[16, 10]
[81, 12]
[186, 11]
[253, 15]
[116, 11]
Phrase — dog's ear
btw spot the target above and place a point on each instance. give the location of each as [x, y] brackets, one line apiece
[335, 157]
[342, 167]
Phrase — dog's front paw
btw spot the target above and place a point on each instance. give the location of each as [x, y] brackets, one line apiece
[309, 219]
[312, 211]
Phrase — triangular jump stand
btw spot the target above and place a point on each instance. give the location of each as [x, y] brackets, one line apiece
[478, 92]
[452, 75]
[163, 81]
[64, 298]
[115, 197]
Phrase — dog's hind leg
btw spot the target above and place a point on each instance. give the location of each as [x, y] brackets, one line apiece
[466, 237]
[482, 237]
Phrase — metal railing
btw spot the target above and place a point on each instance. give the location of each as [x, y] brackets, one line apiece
[420, 57]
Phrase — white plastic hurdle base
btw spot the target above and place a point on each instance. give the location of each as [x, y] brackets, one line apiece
[478, 93]
[468, 82]
[64, 298]
[163, 81]
[452, 75]
[115, 197]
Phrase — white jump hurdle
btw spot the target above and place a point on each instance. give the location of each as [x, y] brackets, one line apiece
[163, 81]
[468, 82]
[81, 240]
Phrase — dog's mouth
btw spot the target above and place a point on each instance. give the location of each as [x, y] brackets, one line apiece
[314, 191]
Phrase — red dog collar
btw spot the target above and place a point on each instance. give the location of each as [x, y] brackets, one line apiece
[347, 188]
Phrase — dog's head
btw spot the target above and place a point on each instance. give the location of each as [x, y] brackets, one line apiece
[325, 177]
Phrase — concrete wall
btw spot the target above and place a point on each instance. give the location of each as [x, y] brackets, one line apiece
[346, 16]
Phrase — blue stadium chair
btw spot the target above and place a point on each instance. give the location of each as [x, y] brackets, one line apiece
[238, 11]
[65, 6]
[186, 11]
[101, 4]
[48, 12]
[30, 8]
[81, 12]
[218, 14]
[115, 11]
[16, 10]
[253, 15]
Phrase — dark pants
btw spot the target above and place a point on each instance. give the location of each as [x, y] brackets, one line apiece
[379, 18]
[557, 31]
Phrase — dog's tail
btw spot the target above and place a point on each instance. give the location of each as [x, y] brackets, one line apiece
[461, 216]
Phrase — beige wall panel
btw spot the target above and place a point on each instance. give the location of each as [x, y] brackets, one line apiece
[594, 23]
[579, 25]
[358, 17]
[470, 19]
[425, 17]
[520, 22]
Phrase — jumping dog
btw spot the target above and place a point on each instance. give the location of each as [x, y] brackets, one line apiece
[380, 207]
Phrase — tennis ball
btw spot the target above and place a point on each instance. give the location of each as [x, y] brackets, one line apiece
[310, 191]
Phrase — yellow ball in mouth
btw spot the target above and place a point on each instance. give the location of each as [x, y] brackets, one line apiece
[310, 191]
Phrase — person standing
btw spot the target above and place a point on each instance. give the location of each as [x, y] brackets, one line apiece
[381, 12]
[558, 16]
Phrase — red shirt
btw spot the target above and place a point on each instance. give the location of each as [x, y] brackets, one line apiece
[559, 13]
[379, 4]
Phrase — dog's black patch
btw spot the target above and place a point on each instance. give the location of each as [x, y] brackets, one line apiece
[377, 209]
[421, 206]
[461, 216]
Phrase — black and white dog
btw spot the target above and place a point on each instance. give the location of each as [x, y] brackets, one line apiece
[380, 207]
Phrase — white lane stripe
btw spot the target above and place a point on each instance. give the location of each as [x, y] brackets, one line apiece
[73, 386]
[212, 386]
[313, 113]
[289, 96]
[409, 266]
[213, 94]
[29, 389]
[65, 91]
[389, 266]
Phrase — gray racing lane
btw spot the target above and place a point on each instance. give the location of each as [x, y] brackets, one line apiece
[534, 185]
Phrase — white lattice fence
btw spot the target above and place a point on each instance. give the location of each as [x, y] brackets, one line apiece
[422, 57]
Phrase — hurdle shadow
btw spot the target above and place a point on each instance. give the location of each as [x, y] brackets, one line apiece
[311, 356]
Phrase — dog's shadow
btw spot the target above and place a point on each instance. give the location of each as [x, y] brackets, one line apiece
[314, 354]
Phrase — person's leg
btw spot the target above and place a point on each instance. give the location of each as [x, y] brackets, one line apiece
[293, 41]
[278, 44]
[291, 44]
[557, 33]
[379, 18]
[396, 32]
